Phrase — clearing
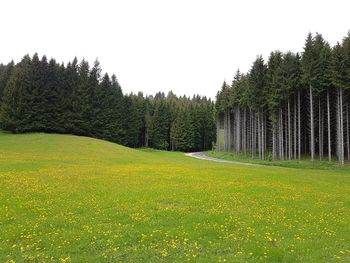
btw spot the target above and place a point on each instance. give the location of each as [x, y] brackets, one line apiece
[66, 198]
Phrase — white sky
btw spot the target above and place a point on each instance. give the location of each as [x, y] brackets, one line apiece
[188, 46]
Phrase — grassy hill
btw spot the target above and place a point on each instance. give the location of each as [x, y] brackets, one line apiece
[75, 199]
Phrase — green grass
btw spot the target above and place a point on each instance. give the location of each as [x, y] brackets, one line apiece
[75, 199]
[304, 163]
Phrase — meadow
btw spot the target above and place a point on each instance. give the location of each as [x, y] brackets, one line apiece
[75, 199]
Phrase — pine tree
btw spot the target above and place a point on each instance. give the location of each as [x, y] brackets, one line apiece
[309, 64]
[275, 100]
[5, 75]
[12, 103]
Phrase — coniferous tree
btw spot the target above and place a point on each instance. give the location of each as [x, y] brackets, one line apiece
[37, 95]
[305, 100]
[309, 64]
[13, 108]
[5, 74]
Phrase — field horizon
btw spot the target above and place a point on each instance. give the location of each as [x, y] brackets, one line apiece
[70, 198]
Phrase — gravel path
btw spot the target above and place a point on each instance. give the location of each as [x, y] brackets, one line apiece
[201, 155]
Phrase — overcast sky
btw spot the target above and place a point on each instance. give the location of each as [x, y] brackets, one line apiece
[188, 46]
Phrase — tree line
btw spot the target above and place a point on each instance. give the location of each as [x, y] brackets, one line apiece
[295, 104]
[37, 95]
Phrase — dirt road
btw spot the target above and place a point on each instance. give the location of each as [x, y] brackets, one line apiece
[201, 155]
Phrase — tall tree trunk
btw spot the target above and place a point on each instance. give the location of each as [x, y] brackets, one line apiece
[340, 134]
[286, 136]
[244, 130]
[224, 134]
[234, 129]
[266, 143]
[341, 127]
[347, 131]
[273, 140]
[254, 132]
[251, 132]
[312, 136]
[295, 129]
[218, 133]
[299, 124]
[281, 135]
[289, 133]
[338, 125]
[239, 130]
[259, 136]
[319, 129]
[225, 119]
[264, 136]
[322, 132]
[329, 129]
[226, 141]
[229, 130]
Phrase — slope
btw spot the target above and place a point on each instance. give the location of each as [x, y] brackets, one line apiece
[75, 199]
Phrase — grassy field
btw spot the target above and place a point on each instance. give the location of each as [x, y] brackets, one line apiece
[75, 199]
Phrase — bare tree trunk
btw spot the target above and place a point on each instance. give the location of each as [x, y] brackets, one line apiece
[225, 129]
[224, 134]
[329, 129]
[319, 129]
[254, 134]
[273, 140]
[312, 136]
[347, 130]
[289, 133]
[239, 129]
[229, 130]
[263, 137]
[234, 129]
[286, 136]
[295, 129]
[226, 141]
[281, 135]
[218, 133]
[338, 125]
[340, 134]
[251, 132]
[299, 123]
[322, 132]
[244, 131]
[259, 136]
[341, 127]
[278, 136]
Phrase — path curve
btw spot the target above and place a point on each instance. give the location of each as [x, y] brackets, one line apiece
[202, 156]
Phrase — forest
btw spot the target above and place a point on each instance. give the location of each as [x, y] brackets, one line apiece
[292, 106]
[41, 95]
